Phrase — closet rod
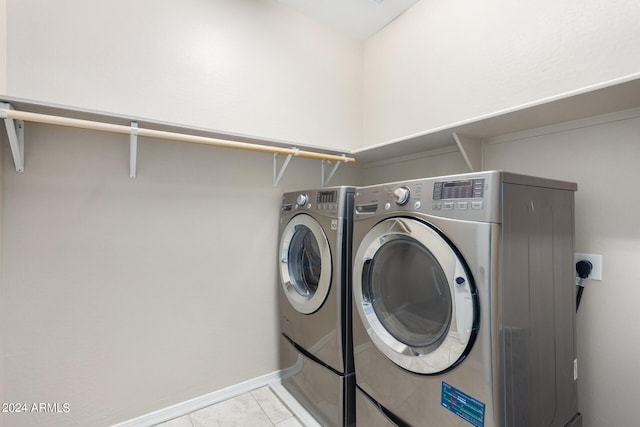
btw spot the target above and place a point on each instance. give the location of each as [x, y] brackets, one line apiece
[173, 136]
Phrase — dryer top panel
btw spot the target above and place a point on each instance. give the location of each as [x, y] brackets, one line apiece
[471, 197]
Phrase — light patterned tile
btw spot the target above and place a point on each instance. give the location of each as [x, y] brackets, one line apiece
[271, 405]
[296, 408]
[240, 411]
[177, 422]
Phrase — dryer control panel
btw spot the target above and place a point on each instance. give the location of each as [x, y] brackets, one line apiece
[473, 197]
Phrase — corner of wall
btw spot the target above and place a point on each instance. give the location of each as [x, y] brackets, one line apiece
[3, 46]
[3, 144]
[3, 89]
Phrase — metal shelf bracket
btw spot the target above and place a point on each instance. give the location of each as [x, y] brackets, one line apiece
[324, 181]
[277, 176]
[15, 132]
[133, 149]
[471, 150]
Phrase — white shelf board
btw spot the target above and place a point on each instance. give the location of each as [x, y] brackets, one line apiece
[608, 97]
[124, 120]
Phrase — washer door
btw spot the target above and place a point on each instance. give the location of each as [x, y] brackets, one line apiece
[305, 263]
[414, 296]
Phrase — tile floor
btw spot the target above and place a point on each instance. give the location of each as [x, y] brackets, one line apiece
[257, 408]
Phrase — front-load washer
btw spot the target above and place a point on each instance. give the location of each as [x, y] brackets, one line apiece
[314, 296]
[464, 302]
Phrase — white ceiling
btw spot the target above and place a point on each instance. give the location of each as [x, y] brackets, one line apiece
[358, 18]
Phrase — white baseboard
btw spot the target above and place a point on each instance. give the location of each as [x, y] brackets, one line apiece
[200, 402]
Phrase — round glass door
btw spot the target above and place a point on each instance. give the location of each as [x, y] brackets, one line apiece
[414, 296]
[305, 263]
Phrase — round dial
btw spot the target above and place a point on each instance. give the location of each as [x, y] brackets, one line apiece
[302, 199]
[401, 194]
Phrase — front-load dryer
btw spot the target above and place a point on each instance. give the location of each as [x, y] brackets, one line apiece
[314, 296]
[464, 302]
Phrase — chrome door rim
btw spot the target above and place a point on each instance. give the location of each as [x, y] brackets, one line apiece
[462, 328]
[299, 302]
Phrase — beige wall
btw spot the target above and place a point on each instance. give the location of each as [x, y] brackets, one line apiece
[601, 155]
[124, 296]
[448, 61]
[432, 163]
[245, 66]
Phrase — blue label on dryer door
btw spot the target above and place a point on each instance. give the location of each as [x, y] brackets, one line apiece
[463, 405]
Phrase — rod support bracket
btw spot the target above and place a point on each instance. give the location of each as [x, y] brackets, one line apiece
[15, 132]
[324, 181]
[277, 176]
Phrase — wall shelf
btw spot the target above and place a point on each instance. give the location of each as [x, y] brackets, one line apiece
[468, 136]
[15, 112]
[608, 97]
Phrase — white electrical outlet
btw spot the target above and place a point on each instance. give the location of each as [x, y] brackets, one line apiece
[596, 262]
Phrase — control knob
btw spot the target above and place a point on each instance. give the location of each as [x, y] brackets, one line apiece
[302, 199]
[401, 194]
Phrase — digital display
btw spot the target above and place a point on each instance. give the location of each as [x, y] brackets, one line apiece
[327, 197]
[458, 184]
[461, 189]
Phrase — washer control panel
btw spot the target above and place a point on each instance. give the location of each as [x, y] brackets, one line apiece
[324, 201]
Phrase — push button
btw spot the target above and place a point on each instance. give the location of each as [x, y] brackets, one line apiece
[476, 205]
[447, 206]
[462, 205]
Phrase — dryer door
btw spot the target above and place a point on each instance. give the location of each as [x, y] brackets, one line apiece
[414, 296]
[305, 263]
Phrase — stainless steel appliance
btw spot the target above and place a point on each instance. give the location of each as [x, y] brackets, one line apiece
[315, 302]
[464, 302]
